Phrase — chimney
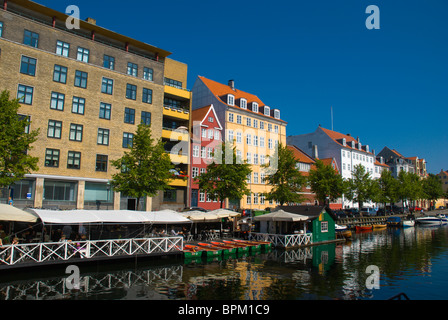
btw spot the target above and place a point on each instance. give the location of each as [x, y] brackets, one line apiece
[315, 152]
[232, 84]
[91, 20]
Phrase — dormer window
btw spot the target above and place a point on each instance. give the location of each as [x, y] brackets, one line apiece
[230, 99]
[344, 142]
[254, 107]
[267, 111]
[277, 114]
[243, 103]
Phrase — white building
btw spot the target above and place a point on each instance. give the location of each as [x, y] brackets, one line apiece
[345, 149]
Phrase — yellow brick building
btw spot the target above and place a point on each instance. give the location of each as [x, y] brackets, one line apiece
[254, 128]
[87, 90]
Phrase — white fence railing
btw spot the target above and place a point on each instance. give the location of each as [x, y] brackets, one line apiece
[64, 251]
[282, 240]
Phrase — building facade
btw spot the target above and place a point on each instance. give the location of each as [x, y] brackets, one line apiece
[344, 149]
[86, 89]
[207, 133]
[396, 161]
[253, 127]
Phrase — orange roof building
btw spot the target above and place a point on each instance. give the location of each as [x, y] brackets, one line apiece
[251, 125]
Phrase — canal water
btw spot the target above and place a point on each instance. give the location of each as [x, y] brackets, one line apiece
[413, 261]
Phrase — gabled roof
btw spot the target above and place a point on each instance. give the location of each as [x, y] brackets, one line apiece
[300, 155]
[377, 163]
[337, 137]
[199, 115]
[220, 91]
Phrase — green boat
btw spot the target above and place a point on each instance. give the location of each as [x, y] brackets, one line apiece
[208, 246]
[242, 248]
[191, 252]
[251, 244]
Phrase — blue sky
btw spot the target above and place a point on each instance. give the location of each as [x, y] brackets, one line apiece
[387, 86]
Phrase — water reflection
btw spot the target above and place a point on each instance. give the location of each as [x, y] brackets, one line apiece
[410, 260]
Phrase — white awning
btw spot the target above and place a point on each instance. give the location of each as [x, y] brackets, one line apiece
[11, 213]
[109, 216]
[281, 215]
[225, 213]
[200, 216]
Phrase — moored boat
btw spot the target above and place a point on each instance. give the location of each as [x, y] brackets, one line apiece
[429, 220]
[192, 251]
[213, 247]
[229, 248]
[208, 252]
[394, 221]
[339, 228]
[443, 218]
[364, 228]
[347, 234]
[241, 247]
[408, 223]
[379, 226]
[251, 244]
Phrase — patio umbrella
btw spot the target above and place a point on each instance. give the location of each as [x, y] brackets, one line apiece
[224, 213]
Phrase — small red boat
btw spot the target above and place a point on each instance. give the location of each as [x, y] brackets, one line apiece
[364, 228]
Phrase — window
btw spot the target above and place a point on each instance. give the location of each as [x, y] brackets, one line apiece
[54, 129]
[270, 144]
[172, 83]
[261, 125]
[74, 160]
[101, 163]
[249, 139]
[147, 96]
[107, 86]
[209, 153]
[216, 135]
[277, 114]
[276, 129]
[129, 115]
[25, 94]
[31, 38]
[243, 103]
[239, 137]
[60, 190]
[127, 139]
[248, 199]
[1, 29]
[57, 101]
[194, 172]
[148, 74]
[254, 107]
[78, 105]
[255, 159]
[230, 117]
[204, 132]
[76, 132]
[201, 196]
[169, 195]
[83, 54]
[28, 66]
[105, 110]
[248, 122]
[255, 123]
[255, 141]
[238, 119]
[210, 134]
[261, 142]
[27, 119]
[103, 137]
[132, 69]
[203, 153]
[230, 135]
[146, 118]
[60, 74]
[62, 48]
[196, 151]
[230, 100]
[52, 158]
[131, 91]
[269, 127]
[81, 79]
[249, 157]
[255, 198]
[267, 111]
[262, 159]
[324, 226]
[109, 62]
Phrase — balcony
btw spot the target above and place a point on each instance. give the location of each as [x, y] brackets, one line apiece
[179, 183]
[178, 92]
[175, 134]
[175, 112]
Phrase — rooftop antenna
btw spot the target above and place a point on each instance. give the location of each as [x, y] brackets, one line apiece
[331, 118]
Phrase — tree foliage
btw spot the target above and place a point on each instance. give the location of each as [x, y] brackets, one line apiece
[283, 176]
[361, 187]
[145, 169]
[15, 143]
[226, 176]
[432, 188]
[325, 182]
[388, 188]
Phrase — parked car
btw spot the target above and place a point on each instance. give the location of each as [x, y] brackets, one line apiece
[369, 211]
[194, 209]
[415, 209]
[353, 212]
[340, 214]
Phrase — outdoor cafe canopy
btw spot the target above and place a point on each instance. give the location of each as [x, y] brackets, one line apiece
[11, 213]
[109, 216]
[281, 215]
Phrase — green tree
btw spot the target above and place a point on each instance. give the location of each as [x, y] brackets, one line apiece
[361, 187]
[145, 169]
[15, 143]
[410, 187]
[226, 176]
[388, 188]
[326, 182]
[432, 188]
[283, 175]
